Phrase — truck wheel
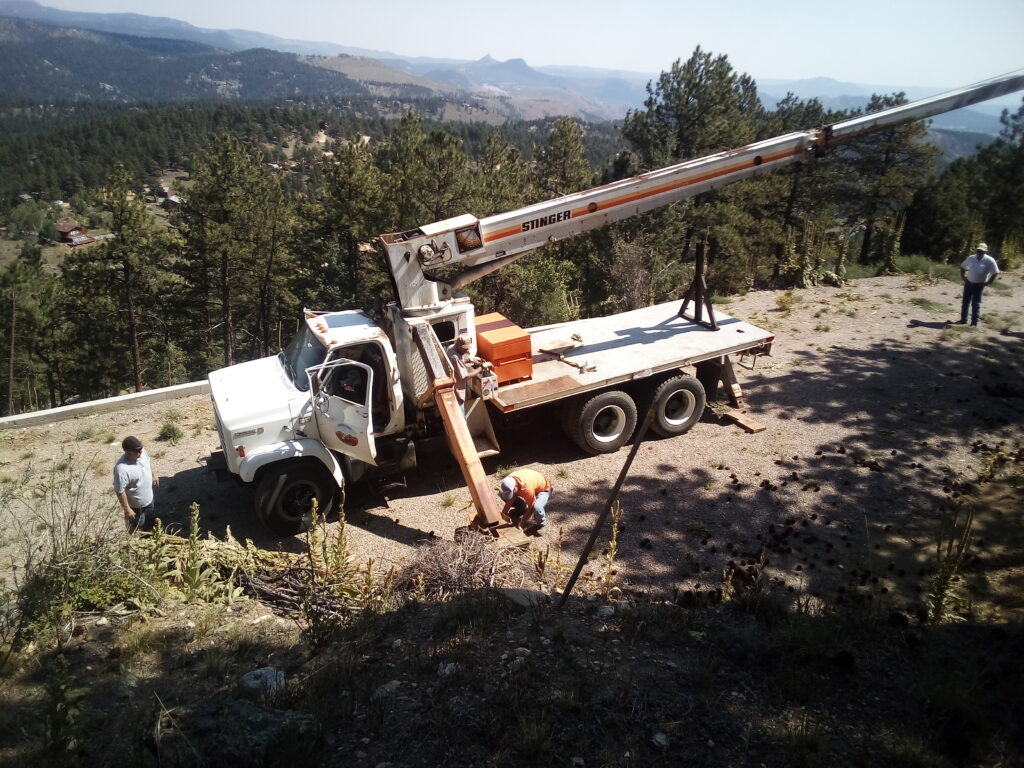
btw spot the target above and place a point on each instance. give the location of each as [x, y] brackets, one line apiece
[678, 405]
[284, 497]
[603, 423]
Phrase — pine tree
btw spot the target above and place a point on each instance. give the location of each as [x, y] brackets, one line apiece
[886, 168]
[28, 322]
[132, 256]
[237, 228]
[342, 268]
[695, 109]
[999, 187]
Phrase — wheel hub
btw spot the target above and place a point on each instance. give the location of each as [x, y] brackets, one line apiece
[608, 423]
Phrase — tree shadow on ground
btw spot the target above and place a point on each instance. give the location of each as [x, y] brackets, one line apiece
[850, 518]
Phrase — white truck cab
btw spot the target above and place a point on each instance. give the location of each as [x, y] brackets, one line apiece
[301, 421]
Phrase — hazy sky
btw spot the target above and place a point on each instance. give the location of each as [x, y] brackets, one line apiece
[939, 43]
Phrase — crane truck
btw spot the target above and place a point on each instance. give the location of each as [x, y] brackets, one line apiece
[349, 397]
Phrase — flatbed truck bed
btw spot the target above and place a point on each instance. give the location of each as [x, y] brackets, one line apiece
[620, 348]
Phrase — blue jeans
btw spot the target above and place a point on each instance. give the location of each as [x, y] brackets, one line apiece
[539, 515]
[144, 517]
[972, 297]
[538, 507]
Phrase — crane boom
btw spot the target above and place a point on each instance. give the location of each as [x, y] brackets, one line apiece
[484, 245]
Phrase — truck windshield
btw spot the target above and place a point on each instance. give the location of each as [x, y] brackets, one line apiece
[302, 352]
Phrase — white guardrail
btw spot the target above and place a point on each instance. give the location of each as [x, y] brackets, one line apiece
[132, 400]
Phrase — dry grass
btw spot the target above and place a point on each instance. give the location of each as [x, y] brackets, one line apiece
[446, 568]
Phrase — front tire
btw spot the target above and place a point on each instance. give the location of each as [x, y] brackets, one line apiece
[678, 405]
[603, 423]
[285, 495]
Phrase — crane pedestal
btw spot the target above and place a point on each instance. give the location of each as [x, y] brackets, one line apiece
[698, 294]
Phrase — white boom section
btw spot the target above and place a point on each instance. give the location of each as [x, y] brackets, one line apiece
[487, 244]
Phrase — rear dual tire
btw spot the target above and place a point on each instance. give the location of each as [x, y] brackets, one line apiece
[678, 404]
[602, 423]
[605, 422]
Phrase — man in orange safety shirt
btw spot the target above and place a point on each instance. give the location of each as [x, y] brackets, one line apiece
[525, 493]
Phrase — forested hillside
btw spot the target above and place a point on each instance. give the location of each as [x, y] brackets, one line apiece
[66, 63]
[276, 214]
[58, 150]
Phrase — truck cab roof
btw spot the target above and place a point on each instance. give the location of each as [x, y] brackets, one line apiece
[334, 328]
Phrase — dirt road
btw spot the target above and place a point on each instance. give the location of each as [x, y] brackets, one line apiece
[876, 410]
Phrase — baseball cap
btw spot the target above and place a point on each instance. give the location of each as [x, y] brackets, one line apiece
[131, 443]
[983, 247]
[507, 488]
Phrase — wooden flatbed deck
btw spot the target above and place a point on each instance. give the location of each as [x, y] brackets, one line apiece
[620, 348]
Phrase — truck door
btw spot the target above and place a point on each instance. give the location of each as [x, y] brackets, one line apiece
[341, 403]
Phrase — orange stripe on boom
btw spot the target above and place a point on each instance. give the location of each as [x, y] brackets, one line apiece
[661, 189]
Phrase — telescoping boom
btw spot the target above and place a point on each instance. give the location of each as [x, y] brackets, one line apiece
[484, 245]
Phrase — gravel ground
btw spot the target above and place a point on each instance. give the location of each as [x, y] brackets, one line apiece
[875, 410]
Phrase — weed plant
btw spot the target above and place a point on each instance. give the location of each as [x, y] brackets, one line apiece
[929, 306]
[199, 579]
[61, 711]
[787, 300]
[608, 587]
[945, 599]
[170, 433]
[334, 587]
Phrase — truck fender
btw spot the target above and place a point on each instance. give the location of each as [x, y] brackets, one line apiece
[290, 449]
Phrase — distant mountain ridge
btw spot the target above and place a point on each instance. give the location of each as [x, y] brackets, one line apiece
[40, 60]
[512, 88]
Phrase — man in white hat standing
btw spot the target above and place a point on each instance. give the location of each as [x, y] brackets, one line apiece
[977, 271]
[525, 493]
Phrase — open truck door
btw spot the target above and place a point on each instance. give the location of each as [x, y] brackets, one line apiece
[341, 403]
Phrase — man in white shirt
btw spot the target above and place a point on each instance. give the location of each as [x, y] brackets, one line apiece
[133, 483]
[457, 355]
[977, 271]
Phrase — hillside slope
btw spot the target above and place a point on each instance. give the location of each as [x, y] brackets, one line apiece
[44, 62]
[762, 605]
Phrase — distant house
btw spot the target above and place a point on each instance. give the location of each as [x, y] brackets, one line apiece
[171, 203]
[72, 233]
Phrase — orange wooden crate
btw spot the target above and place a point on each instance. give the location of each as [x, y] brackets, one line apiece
[506, 346]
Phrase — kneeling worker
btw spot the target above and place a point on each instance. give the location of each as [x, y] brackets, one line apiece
[526, 493]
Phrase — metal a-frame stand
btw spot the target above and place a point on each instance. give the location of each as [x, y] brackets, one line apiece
[698, 294]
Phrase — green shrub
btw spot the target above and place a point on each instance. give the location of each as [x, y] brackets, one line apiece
[855, 271]
[921, 265]
[92, 573]
[170, 432]
[786, 301]
[76, 558]
[928, 305]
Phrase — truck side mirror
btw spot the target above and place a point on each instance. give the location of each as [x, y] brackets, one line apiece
[313, 375]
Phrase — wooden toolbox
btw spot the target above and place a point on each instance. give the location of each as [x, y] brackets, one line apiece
[506, 346]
